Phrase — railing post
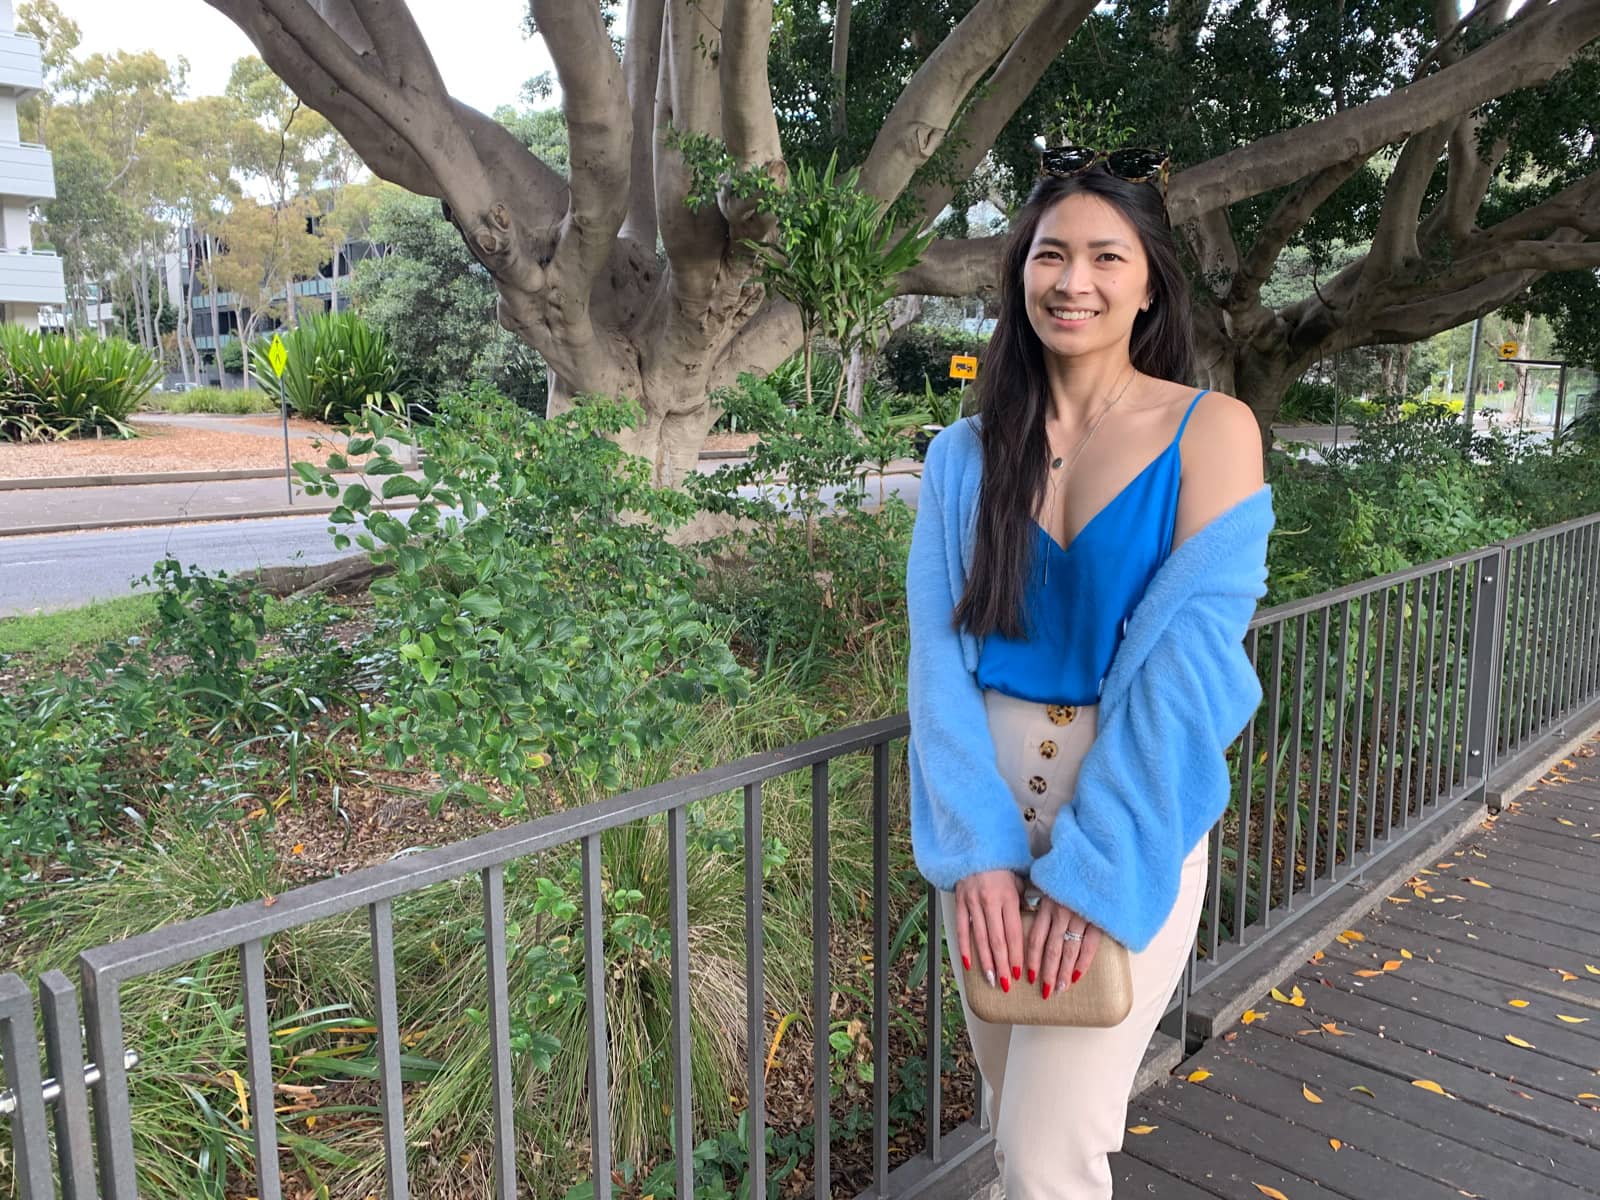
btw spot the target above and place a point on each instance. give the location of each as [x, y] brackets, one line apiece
[1488, 619]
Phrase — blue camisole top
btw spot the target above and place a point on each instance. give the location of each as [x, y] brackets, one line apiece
[1077, 601]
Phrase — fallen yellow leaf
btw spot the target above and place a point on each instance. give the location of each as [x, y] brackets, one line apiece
[1333, 1028]
[1571, 1020]
[1271, 1193]
[1517, 1003]
[1516, 1041]
[1310, 1095]
[1197, 1076]
[1251, 1015]
[1587, 1096]
[1404, 953]
[1141, 1130]
[1478, 882]
[1297, 998]
[1428, 1085]
[1278, 996]
[1566, 976]
[1319, 956]
[1564, 821]
[1369, 974]
[1336, 1143]
[1593, 970]
[1365, 1091]
[1354, 936]
[1392, 965]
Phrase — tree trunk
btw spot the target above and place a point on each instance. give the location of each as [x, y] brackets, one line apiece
[1403, 373]
[216, 314]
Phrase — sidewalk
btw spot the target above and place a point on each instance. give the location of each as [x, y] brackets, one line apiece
[70, 509]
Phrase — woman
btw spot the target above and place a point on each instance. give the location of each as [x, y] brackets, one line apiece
[1087, 556]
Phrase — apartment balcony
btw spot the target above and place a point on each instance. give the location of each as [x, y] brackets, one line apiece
[27, 172]
[20, 68]
[31, 278]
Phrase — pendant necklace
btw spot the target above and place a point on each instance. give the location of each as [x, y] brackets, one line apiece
[1056, 462]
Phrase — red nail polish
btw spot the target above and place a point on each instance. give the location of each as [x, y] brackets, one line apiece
[966, 962]
[1030, 974]
[1005, 984]
[1016, 972]
[1046, 988]
[1077, 975]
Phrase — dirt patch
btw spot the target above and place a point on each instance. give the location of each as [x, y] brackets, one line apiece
[168, 448]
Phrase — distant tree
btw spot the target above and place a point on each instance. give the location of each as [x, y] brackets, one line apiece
[437, 304]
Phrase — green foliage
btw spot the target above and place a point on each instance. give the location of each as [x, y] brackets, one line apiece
[811, 572]
[232, 401]
[48, 639]
[233, 356]
[437, 305]
[57, 387]
[338, 365]
[920, 354]
[550, 623]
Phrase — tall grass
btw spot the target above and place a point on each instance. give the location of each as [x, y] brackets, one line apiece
[232, 402]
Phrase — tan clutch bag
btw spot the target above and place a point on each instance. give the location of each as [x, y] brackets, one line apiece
[1102, 998]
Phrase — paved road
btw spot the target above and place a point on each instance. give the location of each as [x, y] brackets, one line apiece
[50, 571]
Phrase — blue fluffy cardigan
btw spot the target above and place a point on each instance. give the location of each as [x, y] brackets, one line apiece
[1179, 691]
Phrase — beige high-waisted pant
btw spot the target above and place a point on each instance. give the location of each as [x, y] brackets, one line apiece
[1058, 1097]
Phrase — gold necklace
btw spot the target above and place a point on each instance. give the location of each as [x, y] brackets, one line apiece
[1055, 465]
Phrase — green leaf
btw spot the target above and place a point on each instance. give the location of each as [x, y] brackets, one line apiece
[402, 485]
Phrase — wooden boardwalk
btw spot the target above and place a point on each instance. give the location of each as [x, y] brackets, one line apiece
[1447, 1046]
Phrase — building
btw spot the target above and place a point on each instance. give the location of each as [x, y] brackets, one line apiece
[29, 279]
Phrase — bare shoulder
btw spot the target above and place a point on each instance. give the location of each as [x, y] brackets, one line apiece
[1222, 461]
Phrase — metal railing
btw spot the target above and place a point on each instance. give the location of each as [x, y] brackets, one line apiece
[1387, 703]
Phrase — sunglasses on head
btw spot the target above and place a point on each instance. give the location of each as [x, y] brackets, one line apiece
[1130, 164]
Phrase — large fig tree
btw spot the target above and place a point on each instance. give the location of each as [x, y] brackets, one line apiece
[626, 290]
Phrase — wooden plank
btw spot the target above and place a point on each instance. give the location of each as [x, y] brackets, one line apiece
[1533, 878]
[1555, 861]
[1213, 1165]
[1295, 1148]
[1470, 956]
[1426, 970]
[1575, 942]
[1132, 1177]
[1506, 944]
[1534, 833]
[1318, 1061]
[1385, 1149]
[1429, 1033]
[1364, 1049]
[1536, 894]
[1406, 989]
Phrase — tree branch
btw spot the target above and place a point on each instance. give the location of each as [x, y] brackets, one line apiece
[840, 66]
[1557, 253]
[1527, 55]
[748, 119]
[1212, 238]
[406, 59]
[641, 68]
[599, 131]
[1012, 82]
[1576, 206]
[954, 267]
[1291, 215]
[921, 116]
[1395, 241]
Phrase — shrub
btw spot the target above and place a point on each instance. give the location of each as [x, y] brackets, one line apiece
[919, 351]
[552, 624]
[235, 401]
[233, 356]
[54, 386]
[337, 363]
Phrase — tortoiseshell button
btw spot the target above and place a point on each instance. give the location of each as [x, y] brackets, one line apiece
[1047, 748]
[1029, 814]
[1060, 714]
[1037, 785]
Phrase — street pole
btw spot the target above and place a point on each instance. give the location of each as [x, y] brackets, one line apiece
[1472, 375]
[277, 359]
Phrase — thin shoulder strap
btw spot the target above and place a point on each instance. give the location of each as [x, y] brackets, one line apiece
[1185, 423]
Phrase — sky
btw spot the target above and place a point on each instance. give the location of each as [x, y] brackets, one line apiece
[484, 58]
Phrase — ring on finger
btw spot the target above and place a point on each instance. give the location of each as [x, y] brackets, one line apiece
[1069, 936]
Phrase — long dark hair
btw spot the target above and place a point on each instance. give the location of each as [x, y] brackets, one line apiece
[1014, 392]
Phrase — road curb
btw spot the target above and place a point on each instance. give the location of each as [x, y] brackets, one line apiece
[87, 481]
[175, 519]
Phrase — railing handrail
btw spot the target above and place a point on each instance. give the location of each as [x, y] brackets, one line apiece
[339, 894]
[28, 252]
[14, 144]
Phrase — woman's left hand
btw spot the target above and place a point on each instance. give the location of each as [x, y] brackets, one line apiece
[1061, 946]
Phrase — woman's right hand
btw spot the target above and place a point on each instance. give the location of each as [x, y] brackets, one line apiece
[989, 925]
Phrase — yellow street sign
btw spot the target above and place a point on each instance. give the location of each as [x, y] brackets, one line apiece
[963, 366]
[277, 356]
[1509, 349]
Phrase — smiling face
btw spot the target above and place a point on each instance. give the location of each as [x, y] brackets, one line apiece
[1086, 277]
